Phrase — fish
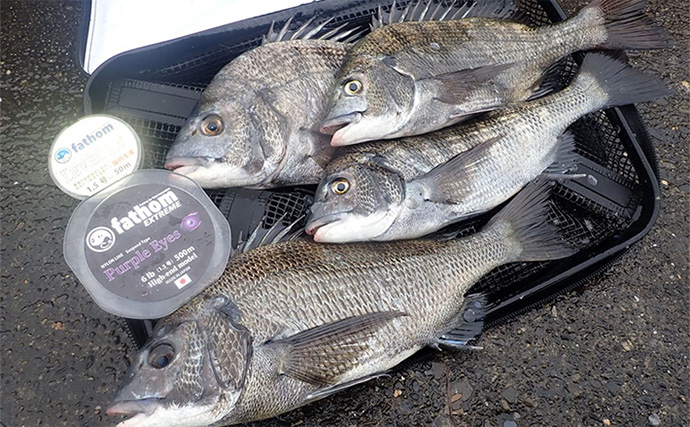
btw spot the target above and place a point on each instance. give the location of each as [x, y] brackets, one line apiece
[410, 187]
[293, 322]
[414, 77]
[257, 122]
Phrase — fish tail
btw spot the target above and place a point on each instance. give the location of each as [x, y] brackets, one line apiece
[627, 26]
[525, 228]
[616, 83]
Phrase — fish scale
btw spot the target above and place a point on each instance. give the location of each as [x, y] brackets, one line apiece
[269, 71]
[493, 41]
[526, 124]
[395, 38]
[352, 285]
[411, 78]
[296, 321]
[278, 284]
[416, 155]
[270, 101]
[467, 169]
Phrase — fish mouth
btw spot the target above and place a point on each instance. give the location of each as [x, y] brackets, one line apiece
[137, 410]
[191, 167]
[211, 172]
[335, 125]
[186, 165]
[313, 226]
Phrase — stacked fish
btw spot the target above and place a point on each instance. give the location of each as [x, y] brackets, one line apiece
[436, 115]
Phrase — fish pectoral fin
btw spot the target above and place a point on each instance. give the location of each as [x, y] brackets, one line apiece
[320, 355]
[460, 115]
[336, 388]
[468, 324]
[446, 183]
[229, 348]
[458, 86]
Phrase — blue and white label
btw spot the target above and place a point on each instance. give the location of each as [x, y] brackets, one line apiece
[92, 154]
[63, 155]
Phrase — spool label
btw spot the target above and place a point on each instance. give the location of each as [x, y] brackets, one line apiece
[147, 244]
[93, 153]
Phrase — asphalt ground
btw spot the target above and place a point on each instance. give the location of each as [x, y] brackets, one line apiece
[612, 353]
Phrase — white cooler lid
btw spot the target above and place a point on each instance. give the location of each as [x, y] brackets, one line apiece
[116, 26]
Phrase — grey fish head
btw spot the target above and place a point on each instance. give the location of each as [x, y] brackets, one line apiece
[172, 382]
[355, 203]
[257, 124]
[220, 147]
[372, 100]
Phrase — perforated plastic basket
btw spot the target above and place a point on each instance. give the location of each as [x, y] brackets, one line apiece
[156, 88]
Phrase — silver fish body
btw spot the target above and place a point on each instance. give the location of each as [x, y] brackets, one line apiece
[411, 78]
[380, 191]
[257, 123]
[296, 321]
[377, 175]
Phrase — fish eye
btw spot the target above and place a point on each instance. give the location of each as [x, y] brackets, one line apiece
[340, 186]
[353, 87]
[161, 356]
[212, 125]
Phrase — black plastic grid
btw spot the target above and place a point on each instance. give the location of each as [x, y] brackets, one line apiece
[200, 70]
[287, 207]
[582, 228]
[216, 197]
[595, 216]
[596, 138]
[148, 130]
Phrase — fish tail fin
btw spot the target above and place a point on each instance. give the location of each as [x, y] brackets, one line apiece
[627, 26]
[525, 227]
[618, 83]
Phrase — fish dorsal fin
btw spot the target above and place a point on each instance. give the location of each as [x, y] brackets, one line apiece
[447, 183]
[229, 344]
[278, 232]
[311, 31]
[425, 10]
[322, 354]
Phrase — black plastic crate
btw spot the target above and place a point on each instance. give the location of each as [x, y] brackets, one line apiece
[155, 88]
